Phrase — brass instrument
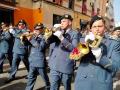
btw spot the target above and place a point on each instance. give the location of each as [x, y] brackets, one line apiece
[5, 29]
[95, 43]
[26, 36]
[47, 33]
[94, 40]
[83, 49]
[78, 52]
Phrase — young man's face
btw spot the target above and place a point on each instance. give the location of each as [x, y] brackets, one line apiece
[65, 23]
[21, 26]
[38, 32]
[98, 27]
[116, 33]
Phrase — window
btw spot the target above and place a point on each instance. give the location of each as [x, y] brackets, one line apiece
[6, 16]
[12, 1]
[8, 2]
[59, 2]
[83, 24]
[93, 10]
[71, 4]
[84, 7]
[56, 19]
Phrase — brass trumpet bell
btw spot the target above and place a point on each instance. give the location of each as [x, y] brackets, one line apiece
[96, 42]
[47, 33]
[25, 35]
[79, 51]
[93, 40]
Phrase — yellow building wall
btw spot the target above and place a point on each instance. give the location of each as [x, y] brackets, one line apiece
[77, 17]
[102, 7]
[78, 7]
[50, 9]
[32, 13]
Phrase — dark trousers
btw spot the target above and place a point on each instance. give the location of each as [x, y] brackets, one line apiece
[3, 56]
[15, 63]
[57, 77]
[34, 71]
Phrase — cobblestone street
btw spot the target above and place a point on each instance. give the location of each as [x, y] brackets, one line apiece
[20, 82]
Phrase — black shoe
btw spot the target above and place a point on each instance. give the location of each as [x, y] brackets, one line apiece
[1, 71]
[9, 71]
[47, 87]
[26, 77]
[9, 80]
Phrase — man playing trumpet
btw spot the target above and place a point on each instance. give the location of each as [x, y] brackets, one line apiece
[61, 67]
[37, 58]
[20, 50]
[98, 67]
[4, 45]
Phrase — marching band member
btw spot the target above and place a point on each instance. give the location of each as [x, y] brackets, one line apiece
[37, 58]
[98, 67]
[4, 45]
[115, 33]
[20, 50]
[61, 67]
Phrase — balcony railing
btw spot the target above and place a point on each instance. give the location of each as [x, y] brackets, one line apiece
[8, 2]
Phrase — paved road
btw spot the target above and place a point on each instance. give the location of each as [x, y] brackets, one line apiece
[20, 82]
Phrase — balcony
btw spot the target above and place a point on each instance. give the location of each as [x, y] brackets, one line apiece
[8, 2]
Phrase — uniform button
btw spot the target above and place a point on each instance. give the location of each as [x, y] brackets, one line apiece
[85, 76]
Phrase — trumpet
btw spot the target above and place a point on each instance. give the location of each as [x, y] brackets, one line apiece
[82, 49]
[79, 51]
[25, 36]
[93, 40]
[49, 32]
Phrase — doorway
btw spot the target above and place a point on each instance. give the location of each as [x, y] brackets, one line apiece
[6, 16]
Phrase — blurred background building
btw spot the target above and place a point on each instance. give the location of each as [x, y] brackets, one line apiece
[50, 11]
[117, 12]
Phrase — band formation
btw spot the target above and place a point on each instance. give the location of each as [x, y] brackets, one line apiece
[95, 49]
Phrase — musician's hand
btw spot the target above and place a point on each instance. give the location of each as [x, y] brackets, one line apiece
[59, 34]
[89, 37]
[29, 38]
[12, 31]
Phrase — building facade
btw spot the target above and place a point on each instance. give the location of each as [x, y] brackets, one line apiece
[49, 11]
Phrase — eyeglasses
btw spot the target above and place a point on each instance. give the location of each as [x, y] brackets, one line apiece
[99, 26]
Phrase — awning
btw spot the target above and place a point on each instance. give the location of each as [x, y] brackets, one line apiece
[7, 6]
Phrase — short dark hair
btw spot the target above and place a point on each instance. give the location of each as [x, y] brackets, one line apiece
[67, 16]
[116, 28]
[96, 18]
[22, 21]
